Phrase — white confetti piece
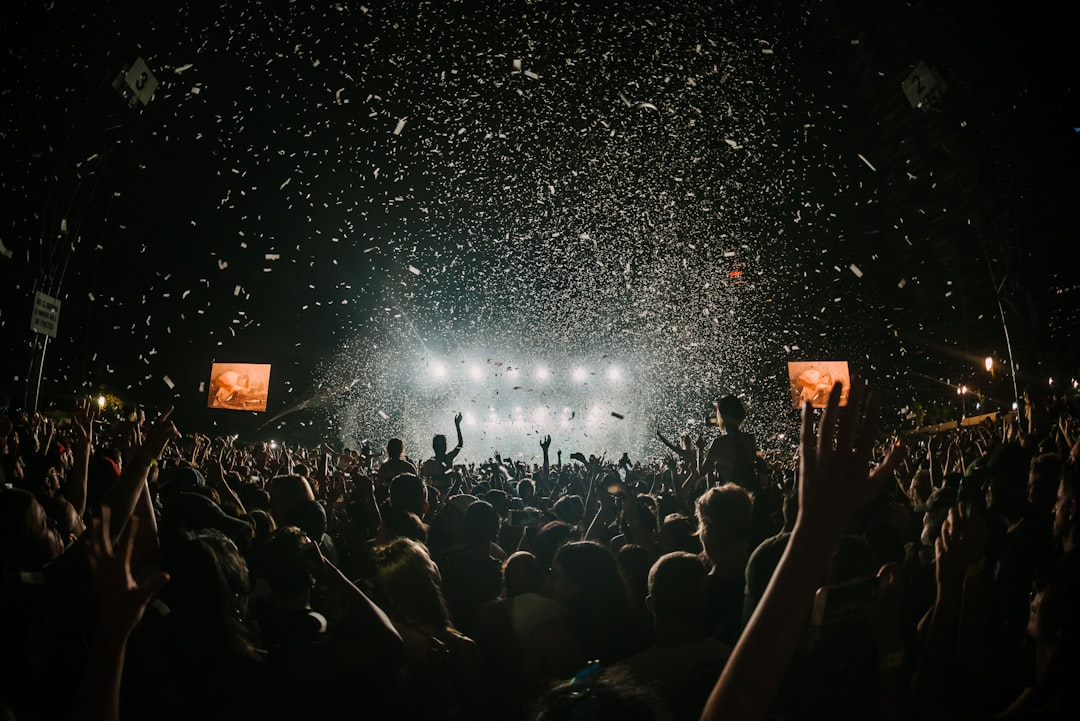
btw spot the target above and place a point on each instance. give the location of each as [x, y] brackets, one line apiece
[855, 269]
[168, 382]
[382, 414]
[222, 265]
[182, 68]
[400, 127]
[414, 270]
[862, 158]
[282, 186]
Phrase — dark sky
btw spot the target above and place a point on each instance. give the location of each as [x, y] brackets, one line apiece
[347, 190]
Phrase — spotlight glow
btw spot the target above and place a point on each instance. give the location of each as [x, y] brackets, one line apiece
[438, 370]
[580, 375]
[614, 374]
[476, 373]
[542, 373]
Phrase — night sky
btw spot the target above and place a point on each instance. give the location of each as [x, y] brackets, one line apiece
[358, 193]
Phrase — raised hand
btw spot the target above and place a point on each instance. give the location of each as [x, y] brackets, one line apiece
[835, 478]
[121, 601]
[82, 422]
[158, 433]
[457, 419]
[545, 443]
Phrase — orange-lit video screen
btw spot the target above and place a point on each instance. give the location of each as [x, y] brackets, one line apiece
[813, 380]
[239, 386]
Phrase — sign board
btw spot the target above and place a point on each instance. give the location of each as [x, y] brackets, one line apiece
[140, 82]
[922, 85]
[46, 315]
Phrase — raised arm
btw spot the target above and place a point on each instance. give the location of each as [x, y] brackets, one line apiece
[83, 426]
[145, 450]
[835, 481]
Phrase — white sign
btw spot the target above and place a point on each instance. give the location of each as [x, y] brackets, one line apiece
[46, 315]
[141, 81]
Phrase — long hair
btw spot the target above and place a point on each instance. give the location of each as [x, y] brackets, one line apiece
[207, 597]
[410, 585]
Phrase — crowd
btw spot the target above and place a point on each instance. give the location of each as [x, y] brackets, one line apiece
[150, 573]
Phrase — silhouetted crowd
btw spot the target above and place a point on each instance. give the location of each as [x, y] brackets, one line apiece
[154, 573]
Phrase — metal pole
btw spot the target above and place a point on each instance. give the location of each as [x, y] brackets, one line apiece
[40, 370]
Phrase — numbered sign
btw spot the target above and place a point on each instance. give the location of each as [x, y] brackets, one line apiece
[140, 81]
[922, 85]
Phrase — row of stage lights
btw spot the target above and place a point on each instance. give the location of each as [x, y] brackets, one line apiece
[543, 374]
[540, 416]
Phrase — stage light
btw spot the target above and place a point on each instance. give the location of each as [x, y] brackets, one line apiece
[476, 373]
[101, 401]
[469, 419]
[438, 370]
[542, 373]
[580, 375]
[614, 374]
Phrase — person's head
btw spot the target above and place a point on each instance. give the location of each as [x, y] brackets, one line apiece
[1043, 478]
[69, 524]
[526, 489]
[1054, 624]
[410, 583]
[586, 570]
[438, 444]
[310, 517]
[28, 537]
[287, 492]
[522, 574]
[724, 514]
[644, 507]
[282, 564]
[1066, 527]
[731, 412]
[601, 693]
[207, 596]
[677, 533]
[395, 448]
[677, 586]
[481, 523]
[935, 511]
[408, 492]
[401, 524]
[1008, 468]
[570, 509]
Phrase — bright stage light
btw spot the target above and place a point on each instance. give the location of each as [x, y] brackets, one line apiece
[580, 375]
[614, 374]
[476, 373]
[438, 370]
[542, 373]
